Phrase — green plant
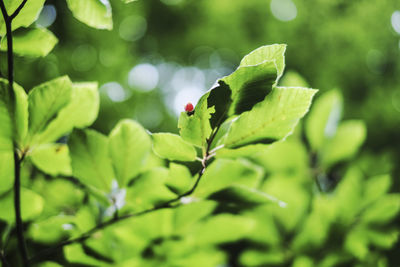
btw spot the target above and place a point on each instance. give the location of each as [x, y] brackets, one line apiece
[227, 190]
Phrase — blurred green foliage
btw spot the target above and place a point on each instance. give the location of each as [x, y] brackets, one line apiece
[326, 196]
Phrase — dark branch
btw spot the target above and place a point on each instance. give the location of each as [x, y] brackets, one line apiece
[17, 208]
[16, 12]
[17, 159]
[4, 11]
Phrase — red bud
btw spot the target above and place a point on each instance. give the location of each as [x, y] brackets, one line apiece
[189, 107]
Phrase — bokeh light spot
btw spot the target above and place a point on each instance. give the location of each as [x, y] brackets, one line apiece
[284, 10]
[114, 91]
[395, 19]
[132, 28]
[47, 16]
[143, 77]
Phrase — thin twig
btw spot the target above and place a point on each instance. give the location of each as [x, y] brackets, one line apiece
[16, 12]
[17, 160]
[17, 208]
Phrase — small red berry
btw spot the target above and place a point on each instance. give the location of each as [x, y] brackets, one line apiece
[189, 107]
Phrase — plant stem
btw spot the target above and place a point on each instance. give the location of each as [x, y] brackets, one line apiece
[17, 208]
[17, 160]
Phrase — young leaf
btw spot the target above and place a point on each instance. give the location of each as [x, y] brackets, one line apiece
[275, 52]
[272, 119]
[322, 122]
[28, 14]
[36, 42]
[80, 112]
[94, 13]
[45, 101]
[349, 137]
[195, 128]
[129, 147]
[52, 159]
[173, 147]
[90, 159]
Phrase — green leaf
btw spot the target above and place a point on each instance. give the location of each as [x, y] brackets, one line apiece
[180, 179]
[382, 211]
[51, 229]
[356, 243]
[219, 97]
[31, 206]
[16, 111]
[383, 238]
[90, 159]
[80, 112]
[322, 122]
[375, 187]
[275, 52]
[244, 196]
[6, 122]
[52, 159]
[128, 1]
[45, 101]
[348, 196]
[303, 261]
[272, 119]
[250, 84]
[293, 79]
[129, 147]
[314, 231]
[195, 128]
[36, 42]
[68, 202]
[344, 145]
[13, 121]
[252, 257]
[94, 13]
[173, 147]
[28, 14]
[266, 230]
[75, 254]
[149, 190]
[222, 229]
[6, 170]
[223, 173]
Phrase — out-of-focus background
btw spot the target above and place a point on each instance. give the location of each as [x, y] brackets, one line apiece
[164, 53]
